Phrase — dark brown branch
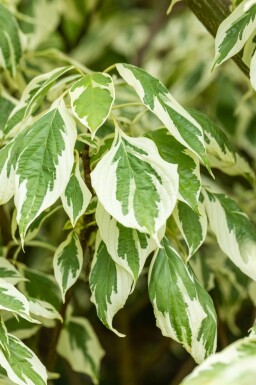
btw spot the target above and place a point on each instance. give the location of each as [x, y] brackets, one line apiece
[211, 13]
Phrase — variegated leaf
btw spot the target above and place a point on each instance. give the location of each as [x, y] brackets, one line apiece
[235, 234]
[193, 226]
[31, 99]
[19, 327]
[44, 164]
[9, 273]
[158, 99]
[77, 196]
[10, 44]
[135, 185]
[110, 285]
[5, 380]
[234, 31]
[4, 339]
[253, 67]
[219, 150]
[67, 262]
[79, 345]
[23, 366]
[40, 285]
[184, 310]
[235, 365]
[43, 309]
[6, 107]
[92, 97]
[128, 247]
[188, 165]
[13, 300]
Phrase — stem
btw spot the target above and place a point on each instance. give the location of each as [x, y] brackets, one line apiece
[110, 68]
[41, 244]
[136, 104]
[5, 226]
[211, 13]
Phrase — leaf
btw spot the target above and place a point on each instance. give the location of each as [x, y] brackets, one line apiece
[42, 163]
[184, 310]
[219, 150]
[23, 367]
[128, 247]
[67, 262]
[235, 365]
[10, 45]
[4, 339]
[6, 107]
[235, 234]
[234, 31]
[40, 285]
[142, 186]
[188, 165]
[20, 328]
[158, 99]
[110, 285]
[92, 97]
[9, 273]
[79, 345]
[77, 196]
[43, 309]
[192, 226]
[12, 300]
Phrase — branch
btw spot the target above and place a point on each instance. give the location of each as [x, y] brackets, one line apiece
[211, 13]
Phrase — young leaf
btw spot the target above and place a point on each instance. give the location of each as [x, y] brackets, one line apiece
[4, 338]
[12, 300]
[9, 273]
[192, 226]
[77, 196]
[10, 45]
[234, 31]
[143, 187]
[43, 167]
[188, 165]
[184, 310]
[22, 366]
[110, 285]
[158, 99]
[128, 247]
[67, 262]
[235, 365]
[79, 345]
[235, 234]
[92, 97]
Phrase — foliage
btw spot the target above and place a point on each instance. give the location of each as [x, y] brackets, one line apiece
[121, 188]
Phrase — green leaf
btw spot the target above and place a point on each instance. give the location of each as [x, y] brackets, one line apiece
[77, 196]
[235, 365]
[184, 310]
[6, 107]
[219, 150]
[188, 165]
[92, 97]
[67, 262]
[143, 187]
[192, 226]
[4, 338]
[158, 99]
[8, 272]
[110, 285]
[21, 328]
[234, 31]
[13, 301]
[22, 366]
[10, 45]
[128, 247]
[235, 233]
[79, 345]
[39, 161]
